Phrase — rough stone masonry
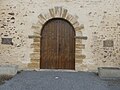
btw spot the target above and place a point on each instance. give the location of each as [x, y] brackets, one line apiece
[99, 20]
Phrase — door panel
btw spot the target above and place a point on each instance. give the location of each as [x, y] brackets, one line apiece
[57, 45]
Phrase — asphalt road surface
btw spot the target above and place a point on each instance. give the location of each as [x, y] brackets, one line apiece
[58, 80]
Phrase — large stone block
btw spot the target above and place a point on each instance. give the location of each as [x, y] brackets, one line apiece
[33, 65]
[35, 45]
[36, 40]
[37, 50]
[79, 45]
[35, 60]
[35, 55]
[78, 56]
[109, 72]
[79, 61]
[8, 69]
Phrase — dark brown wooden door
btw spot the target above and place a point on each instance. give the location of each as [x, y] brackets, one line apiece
[57, 45]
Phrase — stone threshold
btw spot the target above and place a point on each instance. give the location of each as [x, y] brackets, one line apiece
[55, 70]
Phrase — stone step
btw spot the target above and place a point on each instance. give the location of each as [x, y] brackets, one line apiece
[109, 72]
[8, 69]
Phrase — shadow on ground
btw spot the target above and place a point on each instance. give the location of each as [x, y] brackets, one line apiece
[4, 78]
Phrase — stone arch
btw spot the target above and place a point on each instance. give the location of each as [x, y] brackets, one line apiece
[56, 12]
[55, 19]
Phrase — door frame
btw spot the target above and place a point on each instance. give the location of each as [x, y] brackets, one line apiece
[43, 17]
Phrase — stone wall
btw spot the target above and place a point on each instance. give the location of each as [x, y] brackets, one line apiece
[22, 20]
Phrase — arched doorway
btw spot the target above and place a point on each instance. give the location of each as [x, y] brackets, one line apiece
[57, 45]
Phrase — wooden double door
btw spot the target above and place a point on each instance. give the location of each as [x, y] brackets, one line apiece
[57, 45]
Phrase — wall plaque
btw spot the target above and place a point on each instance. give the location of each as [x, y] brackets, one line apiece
[7, 41]
[108, 43]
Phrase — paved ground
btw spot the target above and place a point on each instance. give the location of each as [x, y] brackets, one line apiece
[51, 80]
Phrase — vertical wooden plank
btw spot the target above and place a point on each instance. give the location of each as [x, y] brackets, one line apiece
[58, 45]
